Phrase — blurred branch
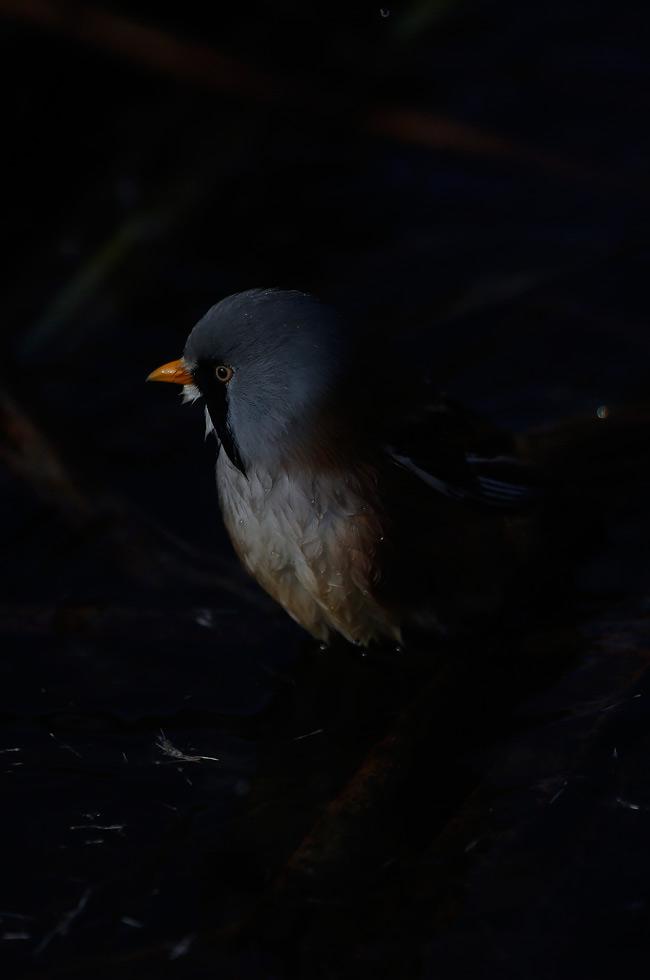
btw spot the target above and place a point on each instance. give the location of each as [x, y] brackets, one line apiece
[335, 840]
[188, 61]
[109, 256]
[141, 549]
[420, 15]
[29, 456]
[118, 247]
[197, 63]
[440, 133]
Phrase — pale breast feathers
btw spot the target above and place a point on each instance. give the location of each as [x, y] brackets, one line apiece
[314, 543]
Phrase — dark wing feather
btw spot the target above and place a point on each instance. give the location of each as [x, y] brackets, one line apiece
[458, 499]
[461, 458]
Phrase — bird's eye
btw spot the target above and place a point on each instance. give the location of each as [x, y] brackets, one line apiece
[224, 373]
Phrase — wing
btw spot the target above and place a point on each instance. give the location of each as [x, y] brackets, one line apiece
[459, 501]
[457, 456]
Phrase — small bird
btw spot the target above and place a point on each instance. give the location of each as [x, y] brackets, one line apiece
[360, 502]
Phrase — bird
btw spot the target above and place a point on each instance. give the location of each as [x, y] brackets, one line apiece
[362, 501]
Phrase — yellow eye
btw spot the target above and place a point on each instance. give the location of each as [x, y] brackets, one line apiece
[224, 373]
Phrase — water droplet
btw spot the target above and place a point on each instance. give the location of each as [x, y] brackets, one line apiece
[602, 412]
[205, 618]
[322, 647]
[398, 649]
[241, 521]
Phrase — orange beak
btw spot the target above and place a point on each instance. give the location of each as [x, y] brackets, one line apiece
[175, 372]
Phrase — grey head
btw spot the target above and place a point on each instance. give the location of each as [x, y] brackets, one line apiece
[268, 363]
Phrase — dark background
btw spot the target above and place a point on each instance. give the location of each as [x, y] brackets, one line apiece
[474, 174]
